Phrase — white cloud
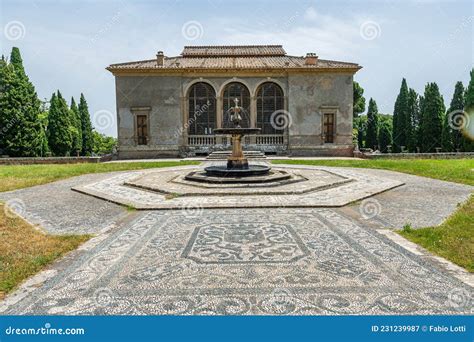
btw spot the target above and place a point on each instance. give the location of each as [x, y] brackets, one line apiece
[311, 14]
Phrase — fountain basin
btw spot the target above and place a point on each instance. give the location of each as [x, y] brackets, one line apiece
[224, 171]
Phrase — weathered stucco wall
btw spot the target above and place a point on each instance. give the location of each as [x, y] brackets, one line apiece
[307, 96]
[310, 95]
[162, 94]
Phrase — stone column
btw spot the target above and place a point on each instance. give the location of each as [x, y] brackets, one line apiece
[219, 118]
[253, 118]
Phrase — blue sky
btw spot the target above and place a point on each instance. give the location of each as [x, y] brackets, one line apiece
[66, 45]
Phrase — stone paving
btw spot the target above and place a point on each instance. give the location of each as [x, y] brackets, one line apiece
[321, 187]
[278, 260]
[251, 261]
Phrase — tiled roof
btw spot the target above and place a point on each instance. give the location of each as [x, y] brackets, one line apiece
[233, 50]
[232, 57]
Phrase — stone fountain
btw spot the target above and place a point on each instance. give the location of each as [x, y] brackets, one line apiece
[237, 164]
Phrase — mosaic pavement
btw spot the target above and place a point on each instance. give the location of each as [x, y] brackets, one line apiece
[320, 187]
[278, 260]
[250, 261]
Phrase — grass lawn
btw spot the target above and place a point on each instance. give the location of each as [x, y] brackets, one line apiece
[453, 170]
[454, 239]
[24, 250]
[21, 176]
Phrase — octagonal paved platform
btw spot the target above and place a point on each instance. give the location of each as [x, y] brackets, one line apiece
[310, 187]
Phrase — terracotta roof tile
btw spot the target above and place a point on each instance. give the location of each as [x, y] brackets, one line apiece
[233, 57]
[233, 50]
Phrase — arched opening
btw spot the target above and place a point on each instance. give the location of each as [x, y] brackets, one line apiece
[202, 109]
[232, 91]
[270, 99]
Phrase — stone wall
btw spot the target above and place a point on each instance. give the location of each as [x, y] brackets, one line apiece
[50, 160]
[311, 95]
[441, 155]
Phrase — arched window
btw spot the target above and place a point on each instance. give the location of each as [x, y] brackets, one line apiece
[240, 91]
[269, 100]
[202, 109]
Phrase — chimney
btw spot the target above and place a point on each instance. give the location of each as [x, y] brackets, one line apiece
[311, 59]
[160, 58]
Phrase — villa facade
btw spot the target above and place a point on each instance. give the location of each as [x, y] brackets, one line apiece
[170, 106]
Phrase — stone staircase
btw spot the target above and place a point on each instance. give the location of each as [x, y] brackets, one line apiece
[222, 155]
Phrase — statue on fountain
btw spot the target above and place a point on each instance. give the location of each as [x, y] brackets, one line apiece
[237, 164]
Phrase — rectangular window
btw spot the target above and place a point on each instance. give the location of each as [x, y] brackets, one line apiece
[328, 127]
[142, 130]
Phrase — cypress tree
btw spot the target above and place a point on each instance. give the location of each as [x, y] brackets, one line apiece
[413, 120]
[400, 118]
[20, 124]
[76, 129]
[372, 125]
[87, 136]
[456, 107]
[468, 130]
[60, 136]
[384, 136]
[358, 99]
[432, 118]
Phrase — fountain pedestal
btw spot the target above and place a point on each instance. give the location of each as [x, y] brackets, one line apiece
[237, 165]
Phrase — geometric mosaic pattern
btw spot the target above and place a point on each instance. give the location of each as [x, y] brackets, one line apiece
[340, 187]
[316, 261]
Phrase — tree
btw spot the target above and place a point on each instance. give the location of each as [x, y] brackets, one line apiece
[60, 136]
[456, 108]
[103, 144]
[384, 136]
[358, 99]
[400, 118]
[76, 129]
[432, 118]
[413, 120]
[468, 126]
[360, 123]
[372, 125]
[21, 129]
[86, 125]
